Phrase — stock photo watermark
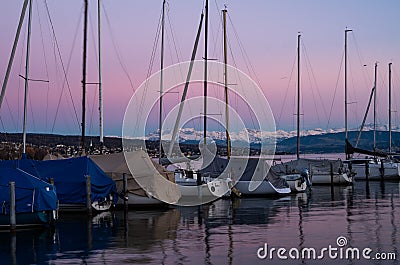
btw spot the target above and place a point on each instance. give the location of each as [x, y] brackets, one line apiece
[249, 104]
[342, 250]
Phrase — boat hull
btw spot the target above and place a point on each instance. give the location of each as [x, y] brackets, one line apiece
[135, 200]
[296, 183]
[264, 189]
[391, 171]
[28, 219]
[326, 179]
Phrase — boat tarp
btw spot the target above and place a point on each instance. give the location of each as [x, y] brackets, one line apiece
[316, 165]
[145, 180]
[69, 177]
[31, 193]
[255, 167]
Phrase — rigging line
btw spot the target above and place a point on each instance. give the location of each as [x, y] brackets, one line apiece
[174, 42]
[308, 65]
[46, 69]
[355, 113]
[62, 64]
[395, 94]
[286, 93]
[31, 110]
[215, 38]
[68, 66]
[116, 49]
[92, 30]
[313, 95]
[97, 64]
[12, 117]
[361, 60]
[241, 86]
[92, 111]
[336, 87]
[313, 77]
[175, 49]
[235, 65]
[2, 125]
[247, 61]
[149, 69]
[244, 54]
[64, 79]
[21, 66]
[381, 97]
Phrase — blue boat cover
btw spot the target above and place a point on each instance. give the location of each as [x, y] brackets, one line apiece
[70, 177]
[31, 193]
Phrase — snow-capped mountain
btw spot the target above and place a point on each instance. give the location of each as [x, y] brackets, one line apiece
[256, 136]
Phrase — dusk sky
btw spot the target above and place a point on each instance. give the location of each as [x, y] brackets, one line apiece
[267, 31]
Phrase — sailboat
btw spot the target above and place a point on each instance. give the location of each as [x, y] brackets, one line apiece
[115, 165]
[231, 168]
[319, 171]
[81, 185]
[200, 188]
[34, 201]
[380, 166]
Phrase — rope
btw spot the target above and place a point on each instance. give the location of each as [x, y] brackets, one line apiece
[46, 70]
[149, 69]
[308, 64]
[116, 49]
[64, 71]
[334, 93]
[286, 92]
[97, 64]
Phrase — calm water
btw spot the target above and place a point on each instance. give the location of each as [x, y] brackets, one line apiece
[224, 232]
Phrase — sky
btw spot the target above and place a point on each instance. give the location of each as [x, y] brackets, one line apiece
[262, 37]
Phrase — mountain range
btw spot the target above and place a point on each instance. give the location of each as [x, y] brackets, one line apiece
[311, 141]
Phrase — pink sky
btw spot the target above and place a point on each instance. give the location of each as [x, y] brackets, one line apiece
[267, 31]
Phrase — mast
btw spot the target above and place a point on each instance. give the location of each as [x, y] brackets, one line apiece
[161, 81]
[298, 96]
[10, 61]
[390, 108]
[100, 81]
[228, 141]
[365, 116]
[84, 76]
[28, 46]
[205, 73]
[185, 89]
[345, 88]
[376, 72]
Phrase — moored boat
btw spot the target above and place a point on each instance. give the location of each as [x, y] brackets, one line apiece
[70, 178]
[35, 200]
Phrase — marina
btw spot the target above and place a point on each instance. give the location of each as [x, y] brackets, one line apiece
[222, 232]
[209, 158]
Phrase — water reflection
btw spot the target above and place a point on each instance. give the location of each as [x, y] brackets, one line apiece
[223, 232]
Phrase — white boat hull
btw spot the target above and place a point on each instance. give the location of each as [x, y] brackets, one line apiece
[338, 179]
[391, 171]
[295, 182]
[215, 188]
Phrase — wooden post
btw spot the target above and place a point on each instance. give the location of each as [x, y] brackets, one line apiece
[367, 170]
[198, 178]
[13, 219]
[88, 195]
[124, 183]
[331, 170]
[125, 189]
[382, 170]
